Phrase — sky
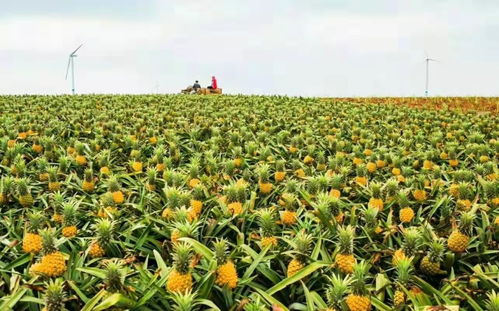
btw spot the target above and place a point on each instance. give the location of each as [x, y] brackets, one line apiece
[290, 47]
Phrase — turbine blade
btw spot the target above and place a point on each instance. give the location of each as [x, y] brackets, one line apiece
[77, 49]
[67, 69]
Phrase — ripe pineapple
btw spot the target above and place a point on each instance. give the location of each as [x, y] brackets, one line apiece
[345, 259]
[337, 184]
[301, 245]
[430, 264]
[410, 245]
[406, 213]
[376, 201]
[267, 223]
[25, 198]
[54, 296]
[180, 278]
[226, 271]
[54, 184]
[88, 184]
[263, 179]
[115, 189]
[459, 238]
[70, 220]
[288, 216]
[80, 154]
[103, 233]
[32, 241]
[359, 300]
[280, 171]
[236, 194]
[52, 263]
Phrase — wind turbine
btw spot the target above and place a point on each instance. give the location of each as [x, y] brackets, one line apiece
[72, 64]
[428, 60]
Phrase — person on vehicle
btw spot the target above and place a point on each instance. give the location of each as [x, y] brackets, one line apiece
[196, 86]
[213, 83]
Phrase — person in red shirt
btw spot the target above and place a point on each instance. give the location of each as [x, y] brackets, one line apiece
[213, 83]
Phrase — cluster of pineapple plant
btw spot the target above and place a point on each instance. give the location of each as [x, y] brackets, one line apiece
[247, 203]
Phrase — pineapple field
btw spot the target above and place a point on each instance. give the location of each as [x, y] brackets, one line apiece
[248, 203]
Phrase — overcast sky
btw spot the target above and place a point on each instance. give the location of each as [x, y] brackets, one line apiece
[293, 47]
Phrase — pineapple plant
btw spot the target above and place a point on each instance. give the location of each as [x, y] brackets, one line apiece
[267, 223]
[358, 299]
[404, 269]
[103, 234]
[459, 238]
[24, 195]
[280, 171]
[410, 245]
[54, 296]
[226, 270]
[70, 220]
[114, 188]
[376, 200]
[80, 158]
[264, 183]
[180, 277]
[88, 184]
[32, 241]
[290, 201]
[406, 213]
[236, 194]
[345, 259]
[52, 262]
[54, 184]
[301, 248]
[335, 293]
[430, 264]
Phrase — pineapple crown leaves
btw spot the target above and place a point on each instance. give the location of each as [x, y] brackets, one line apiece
[280, 165]
[370, 215]
[267, 221]
[48, 241]
[80, 148]
[436, 251]
[115, 276]
[182, 257]
[492, 301]
[337, 181]
[360, 271]
[176, 197]
[70, 213]
[404, 268]
[104, 231]
[301, 244]
[412, 239]
[36, 220]
[337, 290]
[185, 301]
[52, 171]
[6, 183]
[220, 250]
[403, 199]
[391, 187]
[22, 186]
[375, 189]
[151, 175]
[113, 184]
[346, 236]
[54, 295]
[466, 222]
[185, 228]
[236, 192]
[263, 172]
[88, 174]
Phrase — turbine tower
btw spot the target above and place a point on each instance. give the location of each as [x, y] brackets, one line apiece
[428, 60]
[71, 64]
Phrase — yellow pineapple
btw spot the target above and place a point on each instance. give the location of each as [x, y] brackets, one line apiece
[404, 269]
[25, 198]
[236, 194]
[263, 179]
[301, 246]
[115, 190]
[280, 173]
[226, 271]
[459, 238]
[70, 221]
[358, 299]
[103, 234]
[52, 262]
[410, 245]
[430, 264]
[345, 259]
[376, 201]
[88, 184]
[180, 277]
[80, 158]
[32, 241]
[267, 222]
[54, 184]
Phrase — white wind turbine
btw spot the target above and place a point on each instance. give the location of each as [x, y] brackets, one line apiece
[428, 60]
[72, 64]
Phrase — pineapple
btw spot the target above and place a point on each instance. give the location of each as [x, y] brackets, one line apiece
[25, 198]
[459, 238]
[263, 179]
[196, 203]
[236, 194]
[32, 241]
[267, 223]
[54, 184]
[226, 271]
[430, 264]
[6, 183]
[52, 263]
[115, 189]
[301, 245]
[376, 201]
[280, 173]
[54, 296]
[359, 300]
[404, 268]
[409, 247]
[406, 213]
[180, 278]
[288, 216]
[345, 259]
[104, 231]
[88, 184]
[70, 229]
[80, 154]
[181, 227]
[115, 275]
